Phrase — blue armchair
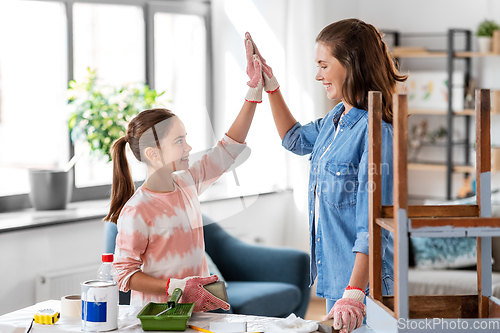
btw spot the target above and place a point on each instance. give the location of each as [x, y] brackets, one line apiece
[260, 280]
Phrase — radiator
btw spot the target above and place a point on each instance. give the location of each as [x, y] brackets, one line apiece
[56, 284]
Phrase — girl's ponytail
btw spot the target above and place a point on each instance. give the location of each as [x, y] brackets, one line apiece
[123, 187]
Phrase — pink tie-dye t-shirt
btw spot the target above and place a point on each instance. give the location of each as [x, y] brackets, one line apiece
[161, 234]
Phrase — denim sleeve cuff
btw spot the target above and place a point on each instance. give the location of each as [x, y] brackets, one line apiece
[361, 244]
[291, 137]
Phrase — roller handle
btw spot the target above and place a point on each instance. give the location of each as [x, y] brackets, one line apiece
[176, 295]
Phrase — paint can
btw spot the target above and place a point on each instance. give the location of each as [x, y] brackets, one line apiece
[99, 306]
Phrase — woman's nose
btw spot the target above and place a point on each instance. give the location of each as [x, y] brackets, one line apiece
[319, 77]
[188, 147]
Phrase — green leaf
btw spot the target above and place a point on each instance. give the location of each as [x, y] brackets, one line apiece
[101, 113]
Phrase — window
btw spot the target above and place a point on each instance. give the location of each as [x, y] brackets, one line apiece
[109, 39]
[181, 71]
[55, 41]
[33, 81]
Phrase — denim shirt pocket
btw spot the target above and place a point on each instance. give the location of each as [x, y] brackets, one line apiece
[340, 186]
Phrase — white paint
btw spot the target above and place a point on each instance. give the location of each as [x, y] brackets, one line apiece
[99, 294]
[486, 194]
[26, 253]
[402, 264]
[486, 269]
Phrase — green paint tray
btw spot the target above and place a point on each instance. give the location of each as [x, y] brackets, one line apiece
[174, 319]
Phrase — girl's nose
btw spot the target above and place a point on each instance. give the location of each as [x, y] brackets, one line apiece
[187, 147]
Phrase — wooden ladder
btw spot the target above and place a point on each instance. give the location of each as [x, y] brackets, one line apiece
[402, 312]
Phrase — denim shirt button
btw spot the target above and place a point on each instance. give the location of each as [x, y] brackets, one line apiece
[319, 261]
[318, 239]
[338, 173]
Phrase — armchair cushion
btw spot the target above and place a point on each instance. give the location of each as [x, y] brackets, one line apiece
[275, 299]
[241, 262]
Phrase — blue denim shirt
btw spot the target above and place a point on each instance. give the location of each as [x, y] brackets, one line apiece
[340, 178]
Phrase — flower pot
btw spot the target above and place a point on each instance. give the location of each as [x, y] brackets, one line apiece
[50, 189]
[484, 44]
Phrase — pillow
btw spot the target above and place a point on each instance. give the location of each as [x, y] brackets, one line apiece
[441, 253]
[212, 268]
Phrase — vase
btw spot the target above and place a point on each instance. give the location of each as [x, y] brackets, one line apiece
[484, 44]
[50, 189]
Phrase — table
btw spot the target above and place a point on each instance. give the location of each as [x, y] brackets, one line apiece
[19, 321]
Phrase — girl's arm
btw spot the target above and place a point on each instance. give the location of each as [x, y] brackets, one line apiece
[239, 129]
[217, 161]
[147, 284]
[283, 118]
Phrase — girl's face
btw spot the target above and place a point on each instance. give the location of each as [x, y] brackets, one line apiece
[330, 72]
[174, 147]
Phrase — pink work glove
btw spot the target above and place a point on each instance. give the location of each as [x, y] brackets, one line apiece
[270, 82]
[256, 82]
[349, 311]
[193, 292]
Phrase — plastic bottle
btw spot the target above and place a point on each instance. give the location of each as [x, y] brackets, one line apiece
[107, 272]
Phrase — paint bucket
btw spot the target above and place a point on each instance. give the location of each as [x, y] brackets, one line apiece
[99, 306]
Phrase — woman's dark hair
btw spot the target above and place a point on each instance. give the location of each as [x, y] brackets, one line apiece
[358, 46]
[141, 133]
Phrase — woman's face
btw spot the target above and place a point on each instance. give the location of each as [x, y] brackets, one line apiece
[174, 146]
[330, 72]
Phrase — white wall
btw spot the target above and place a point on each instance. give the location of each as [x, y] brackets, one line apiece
[26, 253]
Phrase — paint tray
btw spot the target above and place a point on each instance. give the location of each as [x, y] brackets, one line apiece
[174, 319]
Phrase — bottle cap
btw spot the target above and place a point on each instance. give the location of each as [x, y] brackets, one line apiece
[107, 257]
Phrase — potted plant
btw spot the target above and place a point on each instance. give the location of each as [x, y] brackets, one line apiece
[100, 113]
[484, 35]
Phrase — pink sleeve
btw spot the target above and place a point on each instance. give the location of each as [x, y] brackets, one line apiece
[131, 243]
[215, 162]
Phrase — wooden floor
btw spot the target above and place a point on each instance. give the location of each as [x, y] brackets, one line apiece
[316, 309]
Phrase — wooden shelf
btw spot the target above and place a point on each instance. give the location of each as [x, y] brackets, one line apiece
[386, 223]
[440, 54]
[419, 54]
[440, 167]
[465, 112]
[475, 54]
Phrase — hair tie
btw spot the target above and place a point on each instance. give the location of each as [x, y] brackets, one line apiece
[126, 138]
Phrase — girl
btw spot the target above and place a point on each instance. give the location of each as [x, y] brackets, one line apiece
[352, 60]
[159, 246]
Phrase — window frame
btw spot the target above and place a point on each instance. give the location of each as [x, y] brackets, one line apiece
[150, 8]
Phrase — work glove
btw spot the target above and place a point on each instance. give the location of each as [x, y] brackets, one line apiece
[349, 311]
[270, 82]
[193, 292]
[256, 82]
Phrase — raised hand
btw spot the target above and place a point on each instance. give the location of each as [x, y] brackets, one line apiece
[270, 82]
[256, 82]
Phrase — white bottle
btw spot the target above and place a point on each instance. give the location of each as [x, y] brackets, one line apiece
[107, 272]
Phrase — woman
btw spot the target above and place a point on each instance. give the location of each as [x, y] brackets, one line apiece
[352, 60]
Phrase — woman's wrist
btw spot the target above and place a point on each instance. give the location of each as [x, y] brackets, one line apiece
[353, 288]
[354, 293]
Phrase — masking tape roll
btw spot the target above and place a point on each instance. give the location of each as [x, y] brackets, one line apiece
[71, 306]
